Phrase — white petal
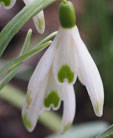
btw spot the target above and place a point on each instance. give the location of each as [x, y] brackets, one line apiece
[69, 107]
[38, 19]
[11, 4]
[42, 69]
[33, 105]
[39, 22]
[89, 75]
[32, 108]
[65, 65]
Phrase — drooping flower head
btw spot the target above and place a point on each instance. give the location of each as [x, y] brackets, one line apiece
[52, 81]
[38, 19]
[7, 4]
[73, 60]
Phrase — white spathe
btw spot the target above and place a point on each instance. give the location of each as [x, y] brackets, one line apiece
[39, 20]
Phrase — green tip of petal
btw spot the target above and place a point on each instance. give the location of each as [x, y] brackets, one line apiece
[52, 99]
[67, 14]
[65, 72]
[28, 99]
[67, 127]
[27, 122]
[99, 109]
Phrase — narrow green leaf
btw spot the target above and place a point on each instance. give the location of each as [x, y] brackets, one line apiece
[48, 37]
[26, 42]
[20, 19]
[84, 130]
[33, 51]
[13, 72]
[107, 133]
[25, 56]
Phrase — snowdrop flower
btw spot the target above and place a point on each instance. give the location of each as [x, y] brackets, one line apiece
[44, 93]
[52, 81]
[7, 4]
[39, 20]
[73, 60]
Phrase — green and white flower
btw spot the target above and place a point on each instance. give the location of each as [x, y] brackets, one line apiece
[73, 60]
[7, 4]
[38, 19]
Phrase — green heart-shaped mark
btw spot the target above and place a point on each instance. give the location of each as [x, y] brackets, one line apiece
[52, 99]
[65, 72]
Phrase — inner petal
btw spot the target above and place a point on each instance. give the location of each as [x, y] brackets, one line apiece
[52, 99]
[53, 93]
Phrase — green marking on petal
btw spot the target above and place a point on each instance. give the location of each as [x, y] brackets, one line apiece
[28, 99]
[26, 121]
[67, 126]
[6, 2]
[40, 23]
[52, 99]
[65, 72]
[99, 108]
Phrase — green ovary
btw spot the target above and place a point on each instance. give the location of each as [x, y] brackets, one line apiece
[52, 99]
[26, 121]
[6, 2]
[65, 72]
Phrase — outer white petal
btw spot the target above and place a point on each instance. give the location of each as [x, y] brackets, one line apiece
[65, 57]
[42, 69]
[89, 75]
[10, 6]
[33, 104]
[39, 22]
[32, 108]
[69, 107]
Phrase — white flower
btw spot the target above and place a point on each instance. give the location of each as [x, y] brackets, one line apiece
[72, 59]
[44, 93]
[52, 79]
[7, 4]
[38, 19]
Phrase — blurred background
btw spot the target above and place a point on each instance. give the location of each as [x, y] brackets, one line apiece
[95, 23]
